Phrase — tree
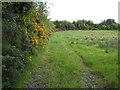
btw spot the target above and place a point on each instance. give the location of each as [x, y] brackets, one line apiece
[108, 24]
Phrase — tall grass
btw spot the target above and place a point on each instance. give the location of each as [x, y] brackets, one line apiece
[99, 51]
[63, 56]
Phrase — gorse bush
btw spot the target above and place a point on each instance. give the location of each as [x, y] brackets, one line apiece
[15, 51]
[24, 30]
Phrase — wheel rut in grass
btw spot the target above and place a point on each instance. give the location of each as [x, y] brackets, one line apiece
[91, 80]
[35, 81]
[42, 74]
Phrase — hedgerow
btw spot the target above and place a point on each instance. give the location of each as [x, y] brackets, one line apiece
[23, 30]
[108, 24]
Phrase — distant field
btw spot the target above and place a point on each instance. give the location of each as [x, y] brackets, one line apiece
[71, 56]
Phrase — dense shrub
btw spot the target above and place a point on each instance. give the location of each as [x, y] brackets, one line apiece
[24, 28]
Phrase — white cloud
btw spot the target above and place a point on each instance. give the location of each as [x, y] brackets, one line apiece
[95, 10]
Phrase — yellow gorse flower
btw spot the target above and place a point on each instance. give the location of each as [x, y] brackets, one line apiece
[38, 35]
[30, 58]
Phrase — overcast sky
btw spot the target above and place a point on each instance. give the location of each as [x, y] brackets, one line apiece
[95, 10]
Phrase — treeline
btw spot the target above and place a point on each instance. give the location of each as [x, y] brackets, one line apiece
[25, 27]
[108, 24]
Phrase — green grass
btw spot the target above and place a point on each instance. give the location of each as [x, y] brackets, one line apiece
[30, 70]
[63, 66]
[98, 50]
[65, 53]
[100, 62]
[66, 64]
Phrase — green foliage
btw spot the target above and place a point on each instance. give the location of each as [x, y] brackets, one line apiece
[64, 25]
[15, 51]
[18, 7]
[42, 9]
[109, 24]
[18, 22]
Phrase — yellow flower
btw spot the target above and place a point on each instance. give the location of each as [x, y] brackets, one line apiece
[36, 41]
[35, 23]
[30, 58]
[36, 45]
[43, 46]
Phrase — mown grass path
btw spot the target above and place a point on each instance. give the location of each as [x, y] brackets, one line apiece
[61, 65]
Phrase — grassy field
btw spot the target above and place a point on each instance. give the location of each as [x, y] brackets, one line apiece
[70, 53]
[98, 50]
